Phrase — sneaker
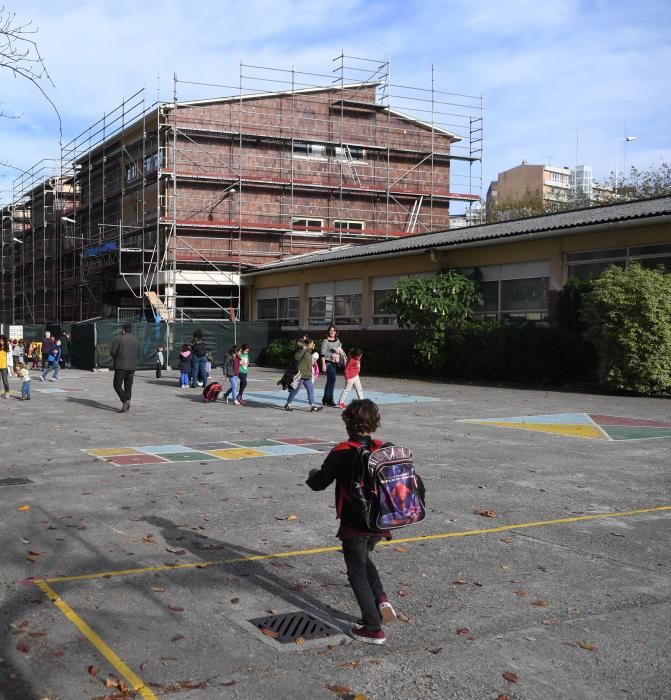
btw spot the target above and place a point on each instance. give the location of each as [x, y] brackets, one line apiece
[316, 408]
[42, 379]
[387, 612]
[200, 383]
[363, 634]
[52, 380]
[287, 407]
[236, 402]
[56, 379]
[241, 401]
[342, 405]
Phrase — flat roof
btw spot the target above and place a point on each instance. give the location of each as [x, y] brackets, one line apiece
[568, 222]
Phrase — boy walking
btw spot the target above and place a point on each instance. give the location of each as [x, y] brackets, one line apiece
[358, 541]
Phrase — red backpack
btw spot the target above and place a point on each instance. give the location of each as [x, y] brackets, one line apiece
[211, 392]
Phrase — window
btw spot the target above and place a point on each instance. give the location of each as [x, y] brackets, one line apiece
[131, 171]
[307, 224]
[590, 264]
[348, 225]
[309, 150]
[515, 290]
[346, 152]
[380, 316]
[334, 302]
[278, 304]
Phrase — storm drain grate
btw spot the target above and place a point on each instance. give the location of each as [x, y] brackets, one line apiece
[16, 481]
[289, 627]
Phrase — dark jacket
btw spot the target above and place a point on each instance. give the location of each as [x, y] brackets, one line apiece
[126, 351]
[231, 365]
[199, 348]
[47, 344]
[185, 361]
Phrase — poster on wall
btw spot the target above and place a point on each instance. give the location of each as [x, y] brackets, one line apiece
[16, 332]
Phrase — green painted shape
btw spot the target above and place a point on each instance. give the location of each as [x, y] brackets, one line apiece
[188, 457]
[631, 432]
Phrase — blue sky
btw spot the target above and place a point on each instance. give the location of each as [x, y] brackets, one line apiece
[556, 76]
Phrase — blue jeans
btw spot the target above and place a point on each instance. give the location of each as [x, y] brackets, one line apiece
[198, 373]
[330, 382]
[184, 378]
[25, 390]
[53, 366]
[233, 391]
[307, 383]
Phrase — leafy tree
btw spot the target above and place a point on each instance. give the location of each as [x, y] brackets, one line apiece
[570, 303]
[530, 204]
[433, 306]
[641, 184]
[628, 319]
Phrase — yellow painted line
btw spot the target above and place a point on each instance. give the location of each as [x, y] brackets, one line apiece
[120, 667]
[590, 432]
[325, 550]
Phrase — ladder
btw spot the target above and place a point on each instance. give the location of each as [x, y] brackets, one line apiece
[414, 215]
[350, 163]
[158, 306]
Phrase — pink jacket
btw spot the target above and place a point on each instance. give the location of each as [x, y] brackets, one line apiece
[352, 368]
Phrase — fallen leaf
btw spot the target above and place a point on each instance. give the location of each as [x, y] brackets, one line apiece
[505, 567]
[22, 646]
[35, 635]
[349, 664]
[403, 594]
[482, 486]
[144, 665]
[175, 551]
[235, 601]
[192, 685]
[459, 582]
[463, 631]
[111, 683]
[521, 592]
[158, 589]
[477, 583]
[269, 633]
[485, 513]
[299, 640]
[33, 553]
[503, 696]
[507, 540]
[376, 662]
[548, 622]
[540, 603]
[547, 569]
[588, 646]
[177, 637]
[23, 508]
[93, 671]
[339, 689]
[400, 549]
[510, 677]
[436, 650]
[175, 608]
[292, 517]
[617, 534]
[228, 684]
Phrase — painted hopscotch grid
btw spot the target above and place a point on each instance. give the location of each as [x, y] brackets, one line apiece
[590, 426]
[211, 451]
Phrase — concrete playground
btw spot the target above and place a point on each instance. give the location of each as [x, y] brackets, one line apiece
[154, 553]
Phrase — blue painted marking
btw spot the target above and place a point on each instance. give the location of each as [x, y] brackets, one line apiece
[279, 398]
[164, 449]
[50, 391]
[551, 419]
[286, 450]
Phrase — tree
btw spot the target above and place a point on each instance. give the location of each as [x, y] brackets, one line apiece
[20, 55]
[628, 319]
[530, 204]
[432, 306]
[641, 184]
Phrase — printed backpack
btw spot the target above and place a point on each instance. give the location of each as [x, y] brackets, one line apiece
[385, 488]
[211, 391]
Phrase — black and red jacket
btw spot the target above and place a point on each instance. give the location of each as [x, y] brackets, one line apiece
[338, 467]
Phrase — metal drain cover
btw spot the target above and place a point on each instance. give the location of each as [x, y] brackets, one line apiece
[17, 481]
[289, 627]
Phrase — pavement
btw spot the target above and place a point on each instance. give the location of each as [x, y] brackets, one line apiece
[541, 571]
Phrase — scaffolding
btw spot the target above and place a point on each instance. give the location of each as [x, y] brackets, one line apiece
[159, 207]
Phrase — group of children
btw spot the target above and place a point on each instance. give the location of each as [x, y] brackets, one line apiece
[12, 363]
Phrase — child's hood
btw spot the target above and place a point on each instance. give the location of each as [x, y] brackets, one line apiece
[185, 353]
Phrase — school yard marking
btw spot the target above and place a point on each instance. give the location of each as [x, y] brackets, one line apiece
[211, 451]
[141, 687]
[279, 397]
[591, 426]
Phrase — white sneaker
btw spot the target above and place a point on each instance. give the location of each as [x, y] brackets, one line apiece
[52, 380]
[42, 379]
[200, 383]
[236, 402]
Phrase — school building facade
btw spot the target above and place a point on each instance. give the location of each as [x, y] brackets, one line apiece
[522, 266]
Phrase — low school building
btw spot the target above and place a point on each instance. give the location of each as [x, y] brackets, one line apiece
[522, 266]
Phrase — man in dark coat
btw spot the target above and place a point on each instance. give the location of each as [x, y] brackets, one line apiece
[126, 352]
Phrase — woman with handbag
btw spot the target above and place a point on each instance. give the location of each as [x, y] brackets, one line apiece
[303, 359]
[332, 356]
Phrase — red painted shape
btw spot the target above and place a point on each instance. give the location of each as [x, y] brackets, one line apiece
[134, 459]
[632, 422]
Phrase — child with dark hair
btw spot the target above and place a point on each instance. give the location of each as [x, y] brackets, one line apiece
[184, 365]
[352, 370]
[231, 372]
[243, 357]
[361, 419]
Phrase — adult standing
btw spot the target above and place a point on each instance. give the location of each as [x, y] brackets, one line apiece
[125, 351]
[198, 359]
[47, 344]
[65, 350]
[5, 352]
[332, 356]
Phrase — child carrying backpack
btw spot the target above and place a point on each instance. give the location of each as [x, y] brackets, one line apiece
[372, 496]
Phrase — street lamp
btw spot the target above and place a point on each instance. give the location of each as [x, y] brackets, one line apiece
[625, 139]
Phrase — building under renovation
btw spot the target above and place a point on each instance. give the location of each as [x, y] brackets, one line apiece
[157, 208]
